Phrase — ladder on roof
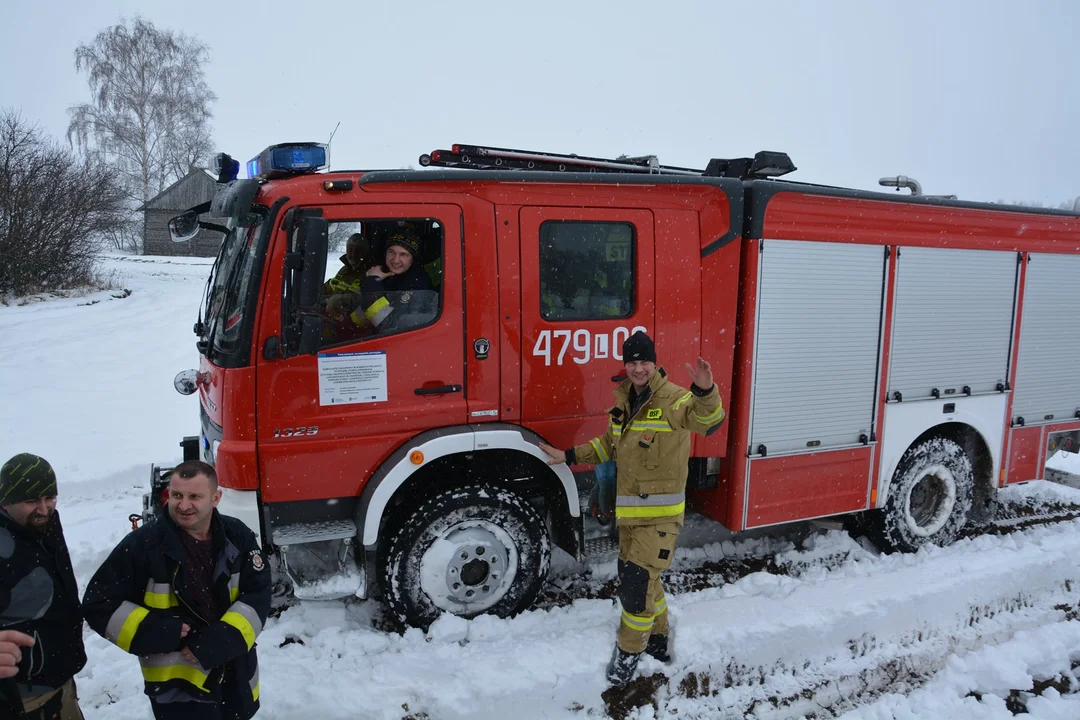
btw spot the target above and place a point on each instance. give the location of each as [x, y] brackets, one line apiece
[476, 157]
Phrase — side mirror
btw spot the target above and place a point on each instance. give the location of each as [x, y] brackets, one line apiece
[311, 327]
[302, 331]
[313, 241]
[183, 227]
[186, 382]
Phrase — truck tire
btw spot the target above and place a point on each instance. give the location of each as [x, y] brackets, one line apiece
[468, 551]
[929, 498]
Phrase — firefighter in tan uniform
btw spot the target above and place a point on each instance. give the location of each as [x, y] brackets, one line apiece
[649, 436]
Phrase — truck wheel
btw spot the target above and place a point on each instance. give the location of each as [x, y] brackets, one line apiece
[473, 550]
[929, 499]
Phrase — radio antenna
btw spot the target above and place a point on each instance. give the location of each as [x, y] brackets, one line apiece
[332, 134]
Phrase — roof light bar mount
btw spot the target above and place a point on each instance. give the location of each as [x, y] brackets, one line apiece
[475, 157]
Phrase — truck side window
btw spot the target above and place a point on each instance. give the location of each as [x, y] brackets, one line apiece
[586, 270]
[403, 294]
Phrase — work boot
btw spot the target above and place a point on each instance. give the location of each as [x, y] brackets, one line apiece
[658, 648]
[621, 667]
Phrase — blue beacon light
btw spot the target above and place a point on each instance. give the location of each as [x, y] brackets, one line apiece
[288, 159]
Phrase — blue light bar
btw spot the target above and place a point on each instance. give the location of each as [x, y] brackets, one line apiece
[287, 159]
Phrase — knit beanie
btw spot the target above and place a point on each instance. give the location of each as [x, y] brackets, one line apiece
[26, 477]
[638, 346]
[406, 240]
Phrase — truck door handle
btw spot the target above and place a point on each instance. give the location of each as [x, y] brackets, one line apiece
[437, 390]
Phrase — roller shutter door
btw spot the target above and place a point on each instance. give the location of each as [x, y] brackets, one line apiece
[818, 336]
[953, 321]
[1047, 376]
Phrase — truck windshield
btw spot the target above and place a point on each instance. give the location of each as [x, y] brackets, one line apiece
[228, 304]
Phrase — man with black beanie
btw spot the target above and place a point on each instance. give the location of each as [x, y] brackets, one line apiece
[38, 594]
[649, 436]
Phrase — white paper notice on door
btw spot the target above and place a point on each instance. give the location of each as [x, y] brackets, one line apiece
[352, 377]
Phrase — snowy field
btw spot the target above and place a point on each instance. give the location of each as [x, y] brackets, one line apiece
[986, 628]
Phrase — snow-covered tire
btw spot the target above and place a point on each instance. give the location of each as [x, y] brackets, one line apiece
[467, 551]
[929, 499]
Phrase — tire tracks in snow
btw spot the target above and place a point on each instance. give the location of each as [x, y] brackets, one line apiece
[865, 646]
[865, 669]
[700, 571]
[767, 628]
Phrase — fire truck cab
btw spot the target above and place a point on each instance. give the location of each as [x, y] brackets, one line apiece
[897, 358]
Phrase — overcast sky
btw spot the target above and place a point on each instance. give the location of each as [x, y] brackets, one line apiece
[980, 99]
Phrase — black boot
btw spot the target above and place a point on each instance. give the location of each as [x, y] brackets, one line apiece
[658, 648]
[621, 667]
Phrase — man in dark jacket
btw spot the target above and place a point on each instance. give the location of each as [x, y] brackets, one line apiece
[187, 593]
[38, 594]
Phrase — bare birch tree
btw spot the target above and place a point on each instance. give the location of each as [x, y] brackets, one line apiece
[150, 112]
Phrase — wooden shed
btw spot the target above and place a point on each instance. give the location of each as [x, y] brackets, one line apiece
[197, 187]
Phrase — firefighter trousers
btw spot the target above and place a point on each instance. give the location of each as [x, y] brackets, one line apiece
[644, 551]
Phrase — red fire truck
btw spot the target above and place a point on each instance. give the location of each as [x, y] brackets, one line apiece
[895, 357]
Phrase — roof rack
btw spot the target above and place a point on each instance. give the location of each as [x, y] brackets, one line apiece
[474, 157]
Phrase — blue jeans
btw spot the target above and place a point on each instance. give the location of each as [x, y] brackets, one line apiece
[604, 491]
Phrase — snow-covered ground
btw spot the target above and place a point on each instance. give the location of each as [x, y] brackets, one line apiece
[837, 630]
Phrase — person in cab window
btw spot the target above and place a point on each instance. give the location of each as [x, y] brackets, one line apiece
[342, 292]
[397, 294]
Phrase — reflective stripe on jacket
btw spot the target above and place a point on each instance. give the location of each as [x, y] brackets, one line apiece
[347, 280]
[387, 300]
[651, 448]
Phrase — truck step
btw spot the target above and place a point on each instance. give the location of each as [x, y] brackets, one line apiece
[599, 546]
[299, 533]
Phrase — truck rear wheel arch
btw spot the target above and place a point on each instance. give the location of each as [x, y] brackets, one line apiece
[978, 451]
[951, 462]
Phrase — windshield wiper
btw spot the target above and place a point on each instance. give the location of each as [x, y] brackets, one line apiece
[236, 243]
[202, 326]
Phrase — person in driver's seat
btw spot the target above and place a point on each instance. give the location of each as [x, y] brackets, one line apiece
[342, 292]
[397, 294]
